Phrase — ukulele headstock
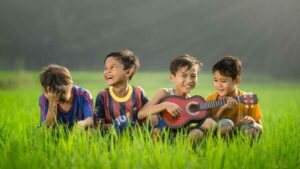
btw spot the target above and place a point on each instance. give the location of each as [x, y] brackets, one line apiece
[249, 99]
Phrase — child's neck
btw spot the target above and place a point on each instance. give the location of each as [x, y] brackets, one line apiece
[67, 106]
[121, 90]
[235, 92]
[177, 93]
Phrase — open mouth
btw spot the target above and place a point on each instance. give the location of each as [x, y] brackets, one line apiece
[189, 87]
[108, 77]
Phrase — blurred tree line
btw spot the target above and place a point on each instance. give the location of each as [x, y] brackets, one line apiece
[265, 34]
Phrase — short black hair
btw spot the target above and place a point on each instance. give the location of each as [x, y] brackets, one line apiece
[229, 66]
[184, 60]
[127, 58]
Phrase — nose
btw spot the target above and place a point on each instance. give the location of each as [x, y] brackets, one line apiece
[189, 79]
[106, 70]
[219, 84]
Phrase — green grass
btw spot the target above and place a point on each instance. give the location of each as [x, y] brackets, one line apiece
[22, 145]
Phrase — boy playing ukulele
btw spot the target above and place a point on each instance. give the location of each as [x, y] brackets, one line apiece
[232, 115]
[184, 72]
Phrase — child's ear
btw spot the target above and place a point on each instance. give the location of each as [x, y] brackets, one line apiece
[171, 76]
[237, 79]
[129, 72]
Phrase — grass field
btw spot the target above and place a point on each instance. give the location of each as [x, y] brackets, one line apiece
[23, 146]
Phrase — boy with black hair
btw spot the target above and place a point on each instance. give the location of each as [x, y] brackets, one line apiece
[120, 102]
[184, 72]
[232, 115]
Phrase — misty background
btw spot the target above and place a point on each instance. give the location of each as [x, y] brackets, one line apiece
[264, 34]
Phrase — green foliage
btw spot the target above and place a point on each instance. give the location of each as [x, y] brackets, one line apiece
[25, 145]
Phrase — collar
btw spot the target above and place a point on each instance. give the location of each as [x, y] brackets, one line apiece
[120, 99]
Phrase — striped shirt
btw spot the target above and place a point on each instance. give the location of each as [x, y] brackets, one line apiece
[82, 107]
[118, 111]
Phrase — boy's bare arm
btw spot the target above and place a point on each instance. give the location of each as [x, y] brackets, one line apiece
[154, 107]
[231, 103]
[51, 118]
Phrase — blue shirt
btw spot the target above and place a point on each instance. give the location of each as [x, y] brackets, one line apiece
[82, 107]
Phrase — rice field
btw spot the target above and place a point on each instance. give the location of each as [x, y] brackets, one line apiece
[24, 145]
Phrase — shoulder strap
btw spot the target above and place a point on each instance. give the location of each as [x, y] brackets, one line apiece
[171, 91]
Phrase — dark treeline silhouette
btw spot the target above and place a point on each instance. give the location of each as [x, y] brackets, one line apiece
[265, 34]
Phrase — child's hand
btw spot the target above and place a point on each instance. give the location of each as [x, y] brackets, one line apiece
[106, 126]
[52, 98]
[173, 109]
[153, 120]
[81, 124]
[231, 103]
[248, 120]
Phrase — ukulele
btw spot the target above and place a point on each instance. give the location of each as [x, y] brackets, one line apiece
[195, 108]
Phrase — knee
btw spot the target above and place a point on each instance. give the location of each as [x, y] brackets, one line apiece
[195, 135]
[209, 124]
[226, 130]
[226, 127]
[252, 133]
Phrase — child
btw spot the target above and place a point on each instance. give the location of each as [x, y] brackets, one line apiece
[227, 75]
[120, 102]
[183, 74]
[61, 102]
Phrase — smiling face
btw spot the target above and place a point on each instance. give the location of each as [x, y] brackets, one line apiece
[225, 86]
[185, 80]
[114, 72]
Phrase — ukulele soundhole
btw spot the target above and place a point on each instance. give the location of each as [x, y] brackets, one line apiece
[192, 108]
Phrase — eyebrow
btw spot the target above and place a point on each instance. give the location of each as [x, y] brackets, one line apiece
[111, 65]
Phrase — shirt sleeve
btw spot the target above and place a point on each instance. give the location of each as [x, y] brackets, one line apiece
[99, 107]
[43, 108]
[88, 106]
[210, 97]
[256, 113]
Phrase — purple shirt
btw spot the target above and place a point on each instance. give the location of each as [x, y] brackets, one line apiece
[82, 107]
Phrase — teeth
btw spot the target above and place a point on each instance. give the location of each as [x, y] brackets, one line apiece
[108, 77]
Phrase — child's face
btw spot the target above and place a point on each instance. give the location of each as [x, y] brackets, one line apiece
[66, 96]
[185, 80]
[114, 72]
[63, 96]
[225, 86]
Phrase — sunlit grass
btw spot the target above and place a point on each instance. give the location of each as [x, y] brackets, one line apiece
[24, 145]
